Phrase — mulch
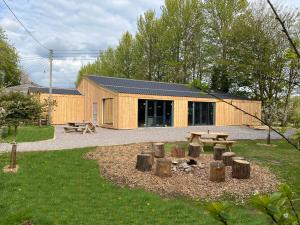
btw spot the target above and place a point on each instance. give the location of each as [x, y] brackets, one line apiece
[117, 164]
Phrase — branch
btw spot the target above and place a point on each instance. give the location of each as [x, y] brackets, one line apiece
[284, 30]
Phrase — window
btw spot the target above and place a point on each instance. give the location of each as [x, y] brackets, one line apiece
[201, 113]
[155, 113]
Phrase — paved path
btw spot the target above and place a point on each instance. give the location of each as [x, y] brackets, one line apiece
[113, 137]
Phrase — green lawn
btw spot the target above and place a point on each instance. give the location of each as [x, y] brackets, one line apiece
[29, 133]
[60, 187]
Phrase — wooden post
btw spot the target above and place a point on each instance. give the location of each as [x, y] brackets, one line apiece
[227, 158]
[159, 150]
[144, 162]
[13, 156]
[194, 150]
[217, 171]
[218, 151]
[163, 167]
[149, 152]
[241, 169]
[178, 152]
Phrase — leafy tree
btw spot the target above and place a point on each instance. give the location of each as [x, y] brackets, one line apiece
[221, 17]
[260, 65]
[10, 73]
[294, 112]
[279, 206]
[124, 56]
[219, 211]
[19, 108]
[148, 53]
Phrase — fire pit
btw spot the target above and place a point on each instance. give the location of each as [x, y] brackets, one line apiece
[117, 164]
[186, 165]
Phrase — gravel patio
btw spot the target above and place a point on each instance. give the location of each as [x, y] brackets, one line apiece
[104, 137]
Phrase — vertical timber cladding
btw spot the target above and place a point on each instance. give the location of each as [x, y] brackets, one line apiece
[68, 108]
[228, 115]
[93, 93]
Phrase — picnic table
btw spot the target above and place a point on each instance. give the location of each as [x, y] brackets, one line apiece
[211, 135]
[83, 127]
[214, 138]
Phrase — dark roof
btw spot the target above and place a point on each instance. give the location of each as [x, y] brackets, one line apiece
[60, 91]
[130, 86]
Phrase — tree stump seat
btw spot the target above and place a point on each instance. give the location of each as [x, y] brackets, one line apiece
[217, 171]
[241, 169]
[159, 150]
[227, 158]
[218, 151]
[163, 167]
[178, 152]
[151, 153]
[194, 150]
[144, 162]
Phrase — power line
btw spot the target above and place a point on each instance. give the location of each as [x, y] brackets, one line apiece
[20, 22]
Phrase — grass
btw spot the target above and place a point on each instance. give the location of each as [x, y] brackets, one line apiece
[29, 134]
[60, 187]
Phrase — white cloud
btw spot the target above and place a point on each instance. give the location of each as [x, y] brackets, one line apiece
[68, 24]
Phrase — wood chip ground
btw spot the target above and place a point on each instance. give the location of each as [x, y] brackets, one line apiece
[117, 164]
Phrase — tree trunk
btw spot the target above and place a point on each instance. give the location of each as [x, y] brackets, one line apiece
[194, 150]
[13, 156]
[15, 133]
[218, 151]
[163, 168]
[144, 162]
[269, 136]
[178, 152]
[217, 171]
[159, 150]
[241, 169]
[227, 158]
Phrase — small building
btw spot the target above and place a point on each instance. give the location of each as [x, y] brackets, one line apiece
[127, 104]
[68, 103]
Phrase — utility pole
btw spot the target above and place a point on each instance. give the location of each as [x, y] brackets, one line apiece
[50, 88]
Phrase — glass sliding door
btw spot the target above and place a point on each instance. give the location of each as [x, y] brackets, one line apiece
[201, 113]
[155, 113]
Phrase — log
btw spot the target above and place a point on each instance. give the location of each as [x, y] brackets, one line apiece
[217, 171]
[151, 153]
[13, 156]
[159, 150]
[218, 151]
[178, 152]
[241, 169]
[194, 150]
[227, 158]
[144, 162]
[163, 167]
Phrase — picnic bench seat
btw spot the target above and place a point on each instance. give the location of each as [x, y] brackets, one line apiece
[84, 127]
[73, 128]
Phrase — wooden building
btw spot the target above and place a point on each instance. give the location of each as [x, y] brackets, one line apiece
[68, 103]
[127, 104]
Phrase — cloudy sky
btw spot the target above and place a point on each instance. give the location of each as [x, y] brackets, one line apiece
[88, 26]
